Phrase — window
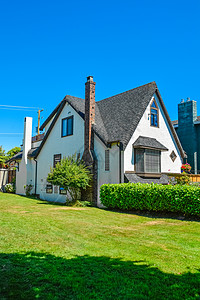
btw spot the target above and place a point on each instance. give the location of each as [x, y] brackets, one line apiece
[63, 191]
[56, 159]
[67, 126]
[147, 161]
[55, 189]
[49, 189]
[173, 156]
[154, 114]
[107, 160]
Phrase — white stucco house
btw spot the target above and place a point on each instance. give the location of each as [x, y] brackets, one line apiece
[126, 137]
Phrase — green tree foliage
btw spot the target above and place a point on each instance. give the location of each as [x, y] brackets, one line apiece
[2, 157]
[12, 152]
[70, 174]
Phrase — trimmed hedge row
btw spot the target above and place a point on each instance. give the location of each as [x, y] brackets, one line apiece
[153, 197]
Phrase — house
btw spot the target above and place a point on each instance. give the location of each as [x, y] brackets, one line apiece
[188, 130]
[126, 137]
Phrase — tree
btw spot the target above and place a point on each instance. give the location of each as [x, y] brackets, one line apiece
[2, 157]
[12, 152]
[70, 174]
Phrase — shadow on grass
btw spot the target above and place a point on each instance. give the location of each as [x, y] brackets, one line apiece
[44, 202]
[157, 215]
[44, 276]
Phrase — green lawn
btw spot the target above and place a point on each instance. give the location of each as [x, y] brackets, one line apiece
[56, 252]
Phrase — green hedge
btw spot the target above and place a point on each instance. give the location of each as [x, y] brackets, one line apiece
[153, 197]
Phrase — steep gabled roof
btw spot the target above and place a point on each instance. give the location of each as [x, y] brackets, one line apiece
[116, 117]
[119, 115]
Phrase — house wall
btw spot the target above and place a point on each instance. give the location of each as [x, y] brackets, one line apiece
[111, 176]
[162, 134]
[55, 144]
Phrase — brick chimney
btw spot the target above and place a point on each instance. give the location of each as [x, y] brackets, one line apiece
[89, 119]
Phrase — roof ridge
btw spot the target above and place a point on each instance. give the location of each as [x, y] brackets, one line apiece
[65, 98]
[152, 82]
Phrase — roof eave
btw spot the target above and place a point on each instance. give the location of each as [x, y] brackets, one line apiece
[170, 124]
[51, 126]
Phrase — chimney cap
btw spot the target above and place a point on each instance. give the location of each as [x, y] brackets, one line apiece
[90, 78]
[188, 99]
[182, 100]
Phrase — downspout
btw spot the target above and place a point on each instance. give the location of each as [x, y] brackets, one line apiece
[35, 175]
[119, 144]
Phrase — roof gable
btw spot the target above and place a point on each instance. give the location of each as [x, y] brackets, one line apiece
[116, 117]
[121, 114]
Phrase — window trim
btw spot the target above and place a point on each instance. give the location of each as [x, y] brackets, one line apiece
[157, 109]
[173, 156]
[71, 117]
[145, 173]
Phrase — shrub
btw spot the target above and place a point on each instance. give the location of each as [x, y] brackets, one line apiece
[9, 188]
[183, 179]
[153, 197]
[28, 189]
[72, 175]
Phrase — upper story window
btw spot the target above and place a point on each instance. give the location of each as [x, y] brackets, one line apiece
[154, 114]
[67, 126]
[147, 161]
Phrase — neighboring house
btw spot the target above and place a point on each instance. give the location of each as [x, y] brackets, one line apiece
[188, 130]
[126, 137]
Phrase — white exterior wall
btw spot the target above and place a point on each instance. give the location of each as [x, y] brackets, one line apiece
[111, 176]
[55, 144]
[162, 134]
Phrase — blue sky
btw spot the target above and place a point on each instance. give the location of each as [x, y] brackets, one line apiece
[48, 48]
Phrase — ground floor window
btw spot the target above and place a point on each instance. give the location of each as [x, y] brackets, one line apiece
[49, 189]
[147, 161]
[63, 191]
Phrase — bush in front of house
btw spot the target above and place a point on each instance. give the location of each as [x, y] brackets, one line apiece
[9, 188]
[152, 197]
[72, 175]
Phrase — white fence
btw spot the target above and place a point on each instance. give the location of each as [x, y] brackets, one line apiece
[3, 178]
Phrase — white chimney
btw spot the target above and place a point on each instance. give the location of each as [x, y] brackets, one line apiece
[22, 174]
[27, 137]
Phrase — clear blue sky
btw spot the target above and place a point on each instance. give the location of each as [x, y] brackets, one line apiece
[49, 47]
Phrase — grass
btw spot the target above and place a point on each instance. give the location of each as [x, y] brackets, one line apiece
[57, 252]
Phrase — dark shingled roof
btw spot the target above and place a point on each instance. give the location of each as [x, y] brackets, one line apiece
[31, 154]
[146, 142]
[15, 157]
[116, 117]
[135, 179]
